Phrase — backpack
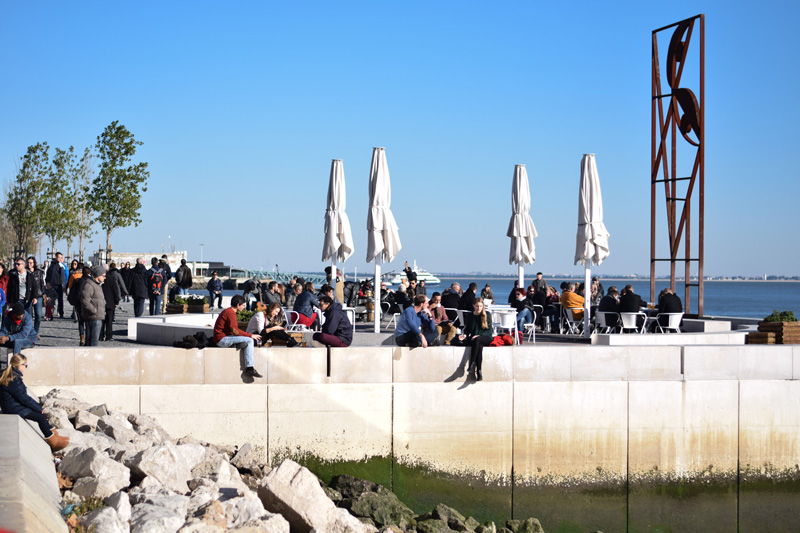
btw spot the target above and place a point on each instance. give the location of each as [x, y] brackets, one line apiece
[155, 282]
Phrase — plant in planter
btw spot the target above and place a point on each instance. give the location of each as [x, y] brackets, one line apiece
[784, 325]
[197, 304]
[243, 317]
[177, 307]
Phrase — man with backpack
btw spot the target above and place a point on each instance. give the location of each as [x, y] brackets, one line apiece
[156, 279]
[183, 278]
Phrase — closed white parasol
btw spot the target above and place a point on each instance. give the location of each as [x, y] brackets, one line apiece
[592, 240]
[521, 228]
[383, 238]
[338, 243]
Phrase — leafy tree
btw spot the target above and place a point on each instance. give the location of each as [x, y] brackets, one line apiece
[22, 200]
[56, 199]
[116, 194]
[80, 217]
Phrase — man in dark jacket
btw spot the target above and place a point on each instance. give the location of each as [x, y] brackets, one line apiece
[450, 300]
[183, 278]
[20, 285]
[629, 301]
[668, 303]
[17, 330]
[468, 298]
[93, 304]
[156, 283]
[57, 277]
[139, 286]
[337, 331]
[214, 288]
[113, 295]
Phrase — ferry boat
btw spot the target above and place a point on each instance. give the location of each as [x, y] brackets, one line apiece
[422, 275]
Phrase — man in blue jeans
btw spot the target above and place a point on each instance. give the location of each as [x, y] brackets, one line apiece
[156, 281]
[17, 330]
[227, 334]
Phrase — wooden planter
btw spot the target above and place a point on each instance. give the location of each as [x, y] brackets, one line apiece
[176, 309]
[785, 332]
[198, 308]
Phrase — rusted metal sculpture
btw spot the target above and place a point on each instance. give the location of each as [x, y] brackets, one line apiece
[677, 137]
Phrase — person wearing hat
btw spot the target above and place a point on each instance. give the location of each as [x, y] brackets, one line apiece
[93, 305]
[539, 284]
[17, 330]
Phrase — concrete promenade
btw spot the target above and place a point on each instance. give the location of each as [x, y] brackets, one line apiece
[603, 437]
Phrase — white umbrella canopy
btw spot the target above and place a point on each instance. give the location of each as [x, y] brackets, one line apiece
[383, 236]
[520, 227]
[338, 243]
[383, 239]
[592, 240]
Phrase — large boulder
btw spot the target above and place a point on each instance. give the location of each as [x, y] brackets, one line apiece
[148, 518]
[164, 463]
[295, 493]
[58, 418]
[117, 427]
[121, 503]
[108, 476]
[86, 421]
[454, 520]
[531, 525]
[193, 454]
[176, 503]
[146, 425]
[370, 500]
[240, 510]
[104, 519]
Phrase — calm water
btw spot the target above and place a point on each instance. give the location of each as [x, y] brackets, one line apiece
[755, 299]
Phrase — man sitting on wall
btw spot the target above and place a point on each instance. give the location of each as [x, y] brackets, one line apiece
[409, 330]
[227, 334]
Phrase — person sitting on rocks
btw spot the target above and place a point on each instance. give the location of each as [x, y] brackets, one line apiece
[17, 331]
[15, 400]
[337, 331]
[409, 326]
[269, 324]
[227, 334]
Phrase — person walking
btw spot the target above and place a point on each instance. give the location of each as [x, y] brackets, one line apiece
[138, 290]
[93, 304]
[57, 277]
[38, 292]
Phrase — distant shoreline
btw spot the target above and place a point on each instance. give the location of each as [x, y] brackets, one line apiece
[490, 277]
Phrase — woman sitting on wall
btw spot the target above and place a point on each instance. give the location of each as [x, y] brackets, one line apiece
[14, 400]
[269, 324]
[337, 331]
[477, 334]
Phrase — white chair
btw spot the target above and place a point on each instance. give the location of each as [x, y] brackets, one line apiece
[351, 316]
[607, 321]
[453, 310]
[629, 321]
[504, 319]
[530, 328]
[291, 321]
[462, 318]
[674, 322]
[571, 324]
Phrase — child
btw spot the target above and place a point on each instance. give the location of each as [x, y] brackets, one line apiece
[14, 399]
[50, 297]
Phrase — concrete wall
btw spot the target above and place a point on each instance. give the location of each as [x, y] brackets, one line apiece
[602, 437]
[30, 501]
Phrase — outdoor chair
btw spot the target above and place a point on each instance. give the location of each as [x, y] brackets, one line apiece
[570, 324]
[392, 317]
[530, 328]
[291, 321]
[607, 321]
[462, 319]
[629, 321]
[674, 322]
[505, 319]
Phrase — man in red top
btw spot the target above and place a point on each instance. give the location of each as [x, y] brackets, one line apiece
[227, 334]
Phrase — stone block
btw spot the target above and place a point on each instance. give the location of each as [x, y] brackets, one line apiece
[224, 366]
[796, 361]
[366, 364]
[683, 444]
[341, 422]
[612, 363]
[420, 365]
[542, 363]
[710, 362]
[762, 361]
[460, 434]
[107, 366]
[168, 366]
[50, 366]
[570, 453]
[297, 365]
[498, 364]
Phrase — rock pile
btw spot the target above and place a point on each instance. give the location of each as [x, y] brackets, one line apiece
[149, 482]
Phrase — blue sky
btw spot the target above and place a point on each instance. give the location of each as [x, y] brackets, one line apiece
[241, 107]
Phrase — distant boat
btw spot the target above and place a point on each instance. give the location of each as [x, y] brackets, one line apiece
[422, 275]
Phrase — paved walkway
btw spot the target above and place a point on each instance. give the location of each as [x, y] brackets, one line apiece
[64, 331]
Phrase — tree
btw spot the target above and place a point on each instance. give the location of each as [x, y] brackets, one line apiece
[116, 194]
[22, 200]
[56, 198]
[81, 216]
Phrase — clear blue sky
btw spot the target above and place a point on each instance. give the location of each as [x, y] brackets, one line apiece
[242, 105]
